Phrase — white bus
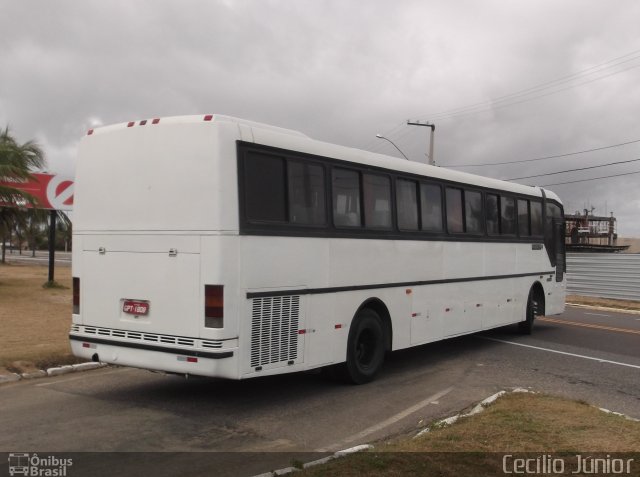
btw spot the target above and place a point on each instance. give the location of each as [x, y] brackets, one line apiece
[214, 246]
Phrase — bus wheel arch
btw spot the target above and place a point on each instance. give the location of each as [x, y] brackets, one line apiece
[381, 309]
[367, 343]
[535, 307]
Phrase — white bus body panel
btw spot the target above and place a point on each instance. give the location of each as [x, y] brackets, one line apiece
[156, 219]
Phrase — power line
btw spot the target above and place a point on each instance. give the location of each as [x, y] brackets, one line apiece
[508, 99]
[574, 170]
[592, 179]
[543, 86]
[545, 157]
[491, 106]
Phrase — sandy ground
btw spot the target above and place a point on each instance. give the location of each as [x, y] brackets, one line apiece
[633, 242]
[34, 321]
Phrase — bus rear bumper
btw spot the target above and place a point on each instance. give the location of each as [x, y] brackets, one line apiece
[220, 364]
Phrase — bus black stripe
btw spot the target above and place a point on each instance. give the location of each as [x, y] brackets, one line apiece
[318, 291]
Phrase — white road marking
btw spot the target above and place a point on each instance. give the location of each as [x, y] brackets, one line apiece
[600, 360]
[388, 422]
[597, 314]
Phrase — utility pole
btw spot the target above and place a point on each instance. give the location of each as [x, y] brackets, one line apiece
[430, 159]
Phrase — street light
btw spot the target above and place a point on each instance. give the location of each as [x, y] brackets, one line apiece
[380, 136]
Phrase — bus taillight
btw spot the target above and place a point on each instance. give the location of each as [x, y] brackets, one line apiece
[76, 295]
[213, 306]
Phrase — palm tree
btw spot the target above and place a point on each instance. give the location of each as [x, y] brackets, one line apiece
[17, 161]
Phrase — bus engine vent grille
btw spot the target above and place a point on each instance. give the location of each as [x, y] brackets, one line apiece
[274, 330]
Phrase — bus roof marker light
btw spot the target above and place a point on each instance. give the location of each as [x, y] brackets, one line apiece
[130, 124]
[155, 121]
[143, 122]
[208, 117]
[89, 132]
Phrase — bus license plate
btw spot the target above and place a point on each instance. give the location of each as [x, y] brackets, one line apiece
[135, 307]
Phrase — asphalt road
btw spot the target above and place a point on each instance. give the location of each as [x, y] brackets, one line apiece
[583, 354]
[41, 258]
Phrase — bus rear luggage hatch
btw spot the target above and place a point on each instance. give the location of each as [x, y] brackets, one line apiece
[141, 283]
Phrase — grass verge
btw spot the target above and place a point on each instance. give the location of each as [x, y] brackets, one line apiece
[34, 319]
[516, 423]
[604, 302]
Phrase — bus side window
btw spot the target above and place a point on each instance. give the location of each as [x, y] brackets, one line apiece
[407, 204]
[264, 188]
[536, 218]
[377, 201]
[306, 194]
[455, 224]
[431, 207]
[346, 198]
[473, 212]
[523, 218]
[507, 215]
[493, 217]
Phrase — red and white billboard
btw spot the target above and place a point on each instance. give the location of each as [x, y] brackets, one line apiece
[53, 192]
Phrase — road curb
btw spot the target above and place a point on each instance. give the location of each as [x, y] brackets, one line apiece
[604, 308]
[9, 378]
[324, 460]
[55, 371]
[478, 408]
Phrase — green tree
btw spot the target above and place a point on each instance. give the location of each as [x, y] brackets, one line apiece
[17, 162]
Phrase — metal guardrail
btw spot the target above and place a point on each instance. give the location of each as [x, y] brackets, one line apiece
[604, 275]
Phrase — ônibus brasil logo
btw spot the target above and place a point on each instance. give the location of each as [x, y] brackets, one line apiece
[23, 463]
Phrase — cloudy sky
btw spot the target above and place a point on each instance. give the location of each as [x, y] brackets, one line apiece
[502, 80]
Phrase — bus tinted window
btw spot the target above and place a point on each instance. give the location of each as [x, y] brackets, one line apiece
[306, 194]
[493, 221]
[473, 212]
[553, 212]
[454, 210]
[431, 207]
[265, 191]
[507, 215]
[377, 201]
[536, 218]
[523, 218]
[407, 204]
[346, 198]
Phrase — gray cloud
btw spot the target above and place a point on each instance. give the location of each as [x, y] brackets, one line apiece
[340, 71]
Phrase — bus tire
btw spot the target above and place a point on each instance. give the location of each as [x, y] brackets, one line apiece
[365, 347]
[526, 327]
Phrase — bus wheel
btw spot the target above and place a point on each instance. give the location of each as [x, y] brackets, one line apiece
[526, 327]
[365, 347]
